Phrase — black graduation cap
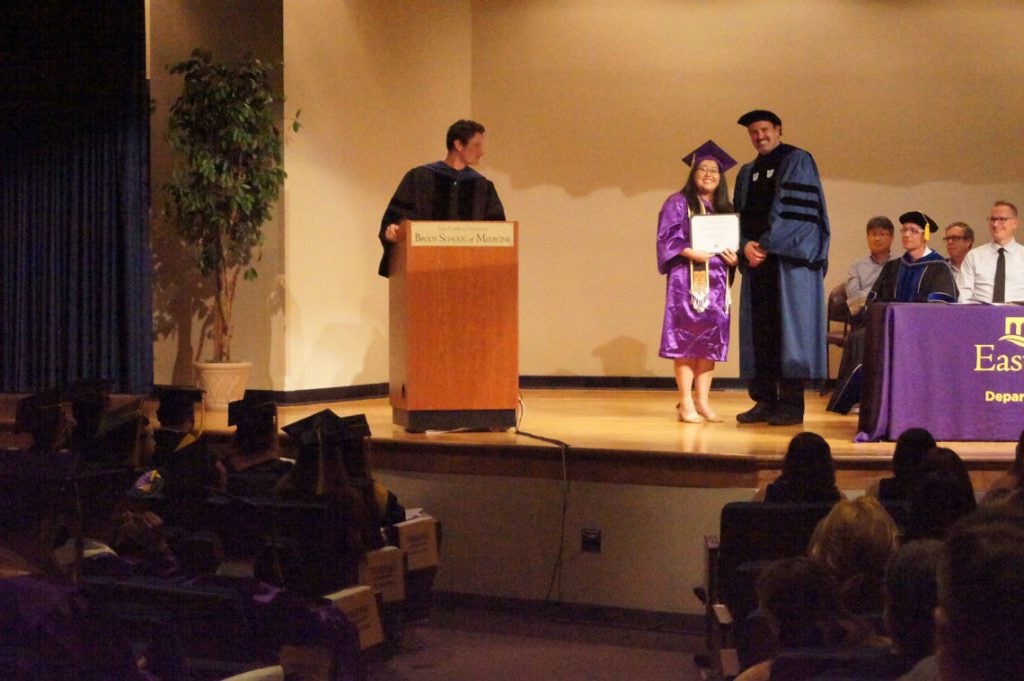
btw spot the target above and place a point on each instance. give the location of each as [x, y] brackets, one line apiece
[34, 409]
[916, 217]
[177, 402]
[759, 115]
[128, 416]
[90, 390]
[326, 426]
[256, 406]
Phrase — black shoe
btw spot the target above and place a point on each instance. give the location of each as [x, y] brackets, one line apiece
[785, 418]
[758, 414]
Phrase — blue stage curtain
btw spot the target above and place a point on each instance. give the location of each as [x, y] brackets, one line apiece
[75, 270]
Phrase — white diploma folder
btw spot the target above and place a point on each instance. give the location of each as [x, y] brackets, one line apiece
[715, 233]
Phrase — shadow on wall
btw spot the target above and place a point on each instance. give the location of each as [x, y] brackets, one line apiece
[623, 356]
[180, 298]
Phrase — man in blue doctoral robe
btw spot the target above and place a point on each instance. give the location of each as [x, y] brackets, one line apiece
[784, 239]
[444, 190]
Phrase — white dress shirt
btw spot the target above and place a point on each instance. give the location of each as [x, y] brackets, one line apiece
[978, 273]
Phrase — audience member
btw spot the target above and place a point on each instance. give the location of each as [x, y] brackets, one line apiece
[982, 278]
[910, 600]
[799, 600]
[864, 272]
[254, 464]
[959, 240]
[325, 442]
[980, 617]
[941, 496]
[853, 543]
[1010, 481]
[61, 633]
[44, 416]
[89, 400]
[186, 466]
[808, 474]
[944, 461]
[177, 417]
[911, 447]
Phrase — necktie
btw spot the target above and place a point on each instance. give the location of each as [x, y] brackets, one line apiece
[999, 288]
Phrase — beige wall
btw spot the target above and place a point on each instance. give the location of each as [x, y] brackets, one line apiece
[229, 28]
[378, 84]
[589, 106]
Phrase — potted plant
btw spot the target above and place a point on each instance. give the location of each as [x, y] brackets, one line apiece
[223, 130]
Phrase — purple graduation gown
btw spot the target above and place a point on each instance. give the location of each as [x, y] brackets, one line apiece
[685, 332]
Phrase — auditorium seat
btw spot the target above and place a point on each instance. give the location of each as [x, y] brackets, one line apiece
[211, 624]
[751, 536]
[857, 664]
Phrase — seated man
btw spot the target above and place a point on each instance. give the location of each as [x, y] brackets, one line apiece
[982, 278]
[920, 275]
[864, 272]
[959, 241]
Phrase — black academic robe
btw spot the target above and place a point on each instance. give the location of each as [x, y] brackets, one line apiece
[797, 235]
[925, 280]
[437, 191]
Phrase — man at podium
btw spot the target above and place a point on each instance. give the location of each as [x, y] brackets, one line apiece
[444, 190]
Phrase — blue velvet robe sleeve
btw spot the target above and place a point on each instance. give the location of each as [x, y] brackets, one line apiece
[800, 228]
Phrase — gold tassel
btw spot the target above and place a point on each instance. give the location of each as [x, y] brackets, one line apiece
[321, 483]
[700, 288]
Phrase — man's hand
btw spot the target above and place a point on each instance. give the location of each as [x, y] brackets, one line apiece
[391, 233]
[754, 254]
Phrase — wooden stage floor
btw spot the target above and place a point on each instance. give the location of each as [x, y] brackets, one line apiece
[632, 436]
[616, 436]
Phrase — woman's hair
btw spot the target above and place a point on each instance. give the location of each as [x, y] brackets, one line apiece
[853, 543]
[911, 596]
[911, 446]
[800, 598]
[942, 495]
[720, 202]
[1018, 460]
[808, 470]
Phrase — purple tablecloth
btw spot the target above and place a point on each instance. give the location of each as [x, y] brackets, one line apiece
[957, 370]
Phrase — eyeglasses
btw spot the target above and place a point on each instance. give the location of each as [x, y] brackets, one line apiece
[954, 238]
[706, 171]
[999, 218]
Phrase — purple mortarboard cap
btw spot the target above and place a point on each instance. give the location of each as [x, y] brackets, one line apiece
[759, 115]
[710, 150]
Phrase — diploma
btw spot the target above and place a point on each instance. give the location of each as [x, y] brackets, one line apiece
[715, 233]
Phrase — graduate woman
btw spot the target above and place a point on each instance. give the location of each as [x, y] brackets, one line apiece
[695, 333]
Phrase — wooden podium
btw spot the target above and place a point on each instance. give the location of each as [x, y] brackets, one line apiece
[454, 325]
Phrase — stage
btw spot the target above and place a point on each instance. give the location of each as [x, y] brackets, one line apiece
[633, 437]
[615, 436]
